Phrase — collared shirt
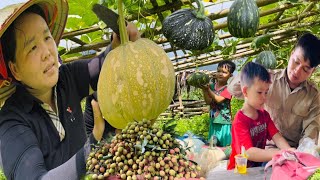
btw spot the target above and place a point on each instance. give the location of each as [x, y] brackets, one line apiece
[295, 113]
[55, 116]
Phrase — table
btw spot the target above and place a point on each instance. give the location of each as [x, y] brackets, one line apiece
[221, 172]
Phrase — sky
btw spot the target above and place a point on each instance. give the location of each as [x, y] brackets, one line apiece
[4, 3]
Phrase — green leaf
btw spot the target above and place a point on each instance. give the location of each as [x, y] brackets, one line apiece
[260, 41]
[81, 9]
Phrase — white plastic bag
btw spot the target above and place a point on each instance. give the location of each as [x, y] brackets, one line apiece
[209, 158]
[308, 146]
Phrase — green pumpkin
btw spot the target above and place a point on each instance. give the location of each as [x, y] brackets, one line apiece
[198, 79]
[136, 81]
[266, 59]
[189, 29]
[243, 18]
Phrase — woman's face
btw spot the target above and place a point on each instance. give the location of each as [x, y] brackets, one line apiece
[36, 63]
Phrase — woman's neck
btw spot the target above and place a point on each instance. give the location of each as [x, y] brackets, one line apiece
[44, 96]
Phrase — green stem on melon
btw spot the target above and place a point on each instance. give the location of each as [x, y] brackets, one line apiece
[200, 11]
[122, 25]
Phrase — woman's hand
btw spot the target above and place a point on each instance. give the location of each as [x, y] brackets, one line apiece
[133, 35]
[99, 122]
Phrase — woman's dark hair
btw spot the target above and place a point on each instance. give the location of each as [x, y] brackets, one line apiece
[310, 45]
[8, 39]
[253, 70]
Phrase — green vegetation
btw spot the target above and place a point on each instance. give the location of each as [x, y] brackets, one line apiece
[236, 105]
[316, 77]
[2, 176]
[315, 175]
[197, 125]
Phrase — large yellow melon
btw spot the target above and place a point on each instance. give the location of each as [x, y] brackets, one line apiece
[136, 82]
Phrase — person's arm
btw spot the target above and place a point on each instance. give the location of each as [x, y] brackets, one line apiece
[21, 157]
[242, 138]
[210, 96]
[206, 97]
[311, 124]
[261, 155]
[281, 142]
[215, 98]
[234, 87]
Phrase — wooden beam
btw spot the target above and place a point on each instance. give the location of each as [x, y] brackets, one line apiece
[70, 34]
[219, 59]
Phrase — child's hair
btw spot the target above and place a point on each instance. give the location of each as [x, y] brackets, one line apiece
[253, 70]
[310, 45]
[229, 64]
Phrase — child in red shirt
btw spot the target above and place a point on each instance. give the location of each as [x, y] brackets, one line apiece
[252, 125]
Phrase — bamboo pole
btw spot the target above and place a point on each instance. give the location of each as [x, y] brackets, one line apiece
[187, 103]
[68, 35]
[202, 109]
[217, 60]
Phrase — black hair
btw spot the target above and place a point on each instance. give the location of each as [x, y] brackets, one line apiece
[310, 45]
[8, 39]
[254, 70]
[229, 64]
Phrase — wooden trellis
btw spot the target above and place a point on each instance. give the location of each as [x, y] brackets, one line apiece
[283, 29]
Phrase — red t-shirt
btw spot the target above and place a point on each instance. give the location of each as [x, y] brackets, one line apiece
[250, 133]
[225, 93]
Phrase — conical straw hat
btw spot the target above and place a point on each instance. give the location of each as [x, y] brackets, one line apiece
[56, 12]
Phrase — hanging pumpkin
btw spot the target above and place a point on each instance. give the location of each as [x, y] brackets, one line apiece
[198, 79]
[189, 29]
[243, 18]
[136, 81]
[267, 59]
